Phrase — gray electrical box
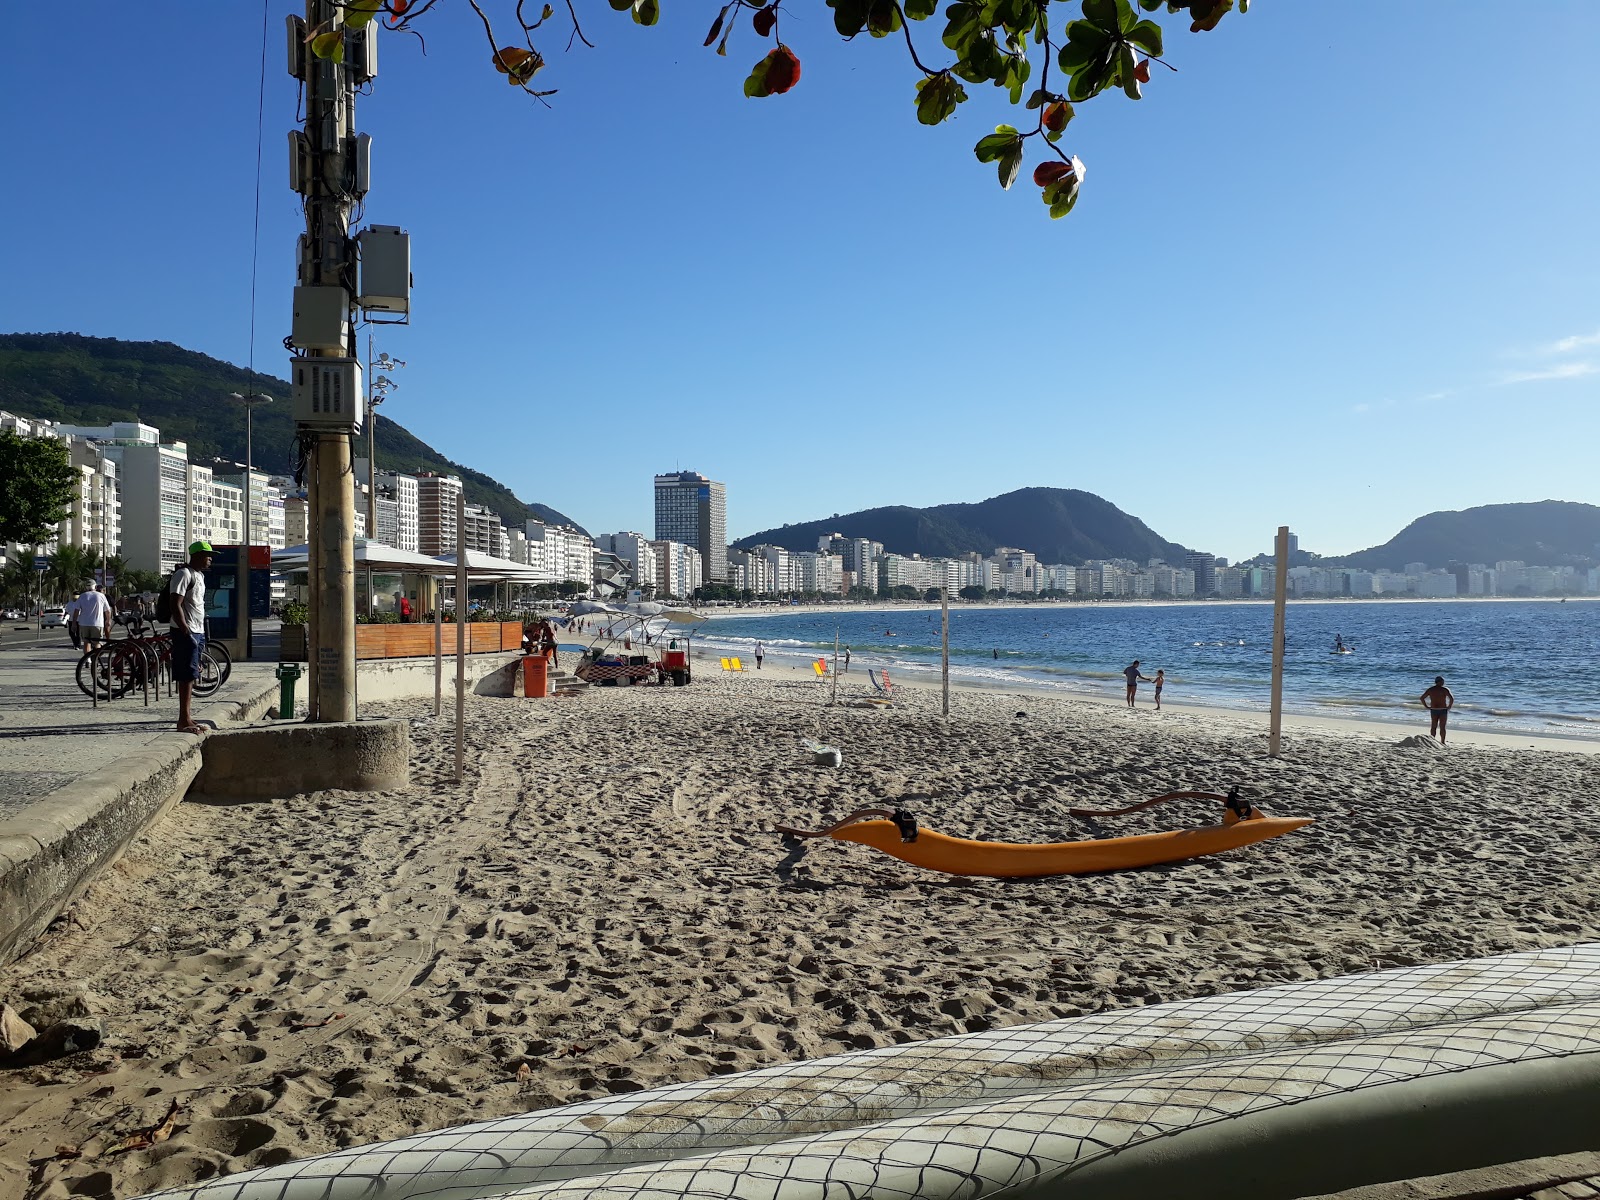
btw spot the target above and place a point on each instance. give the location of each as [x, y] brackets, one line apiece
[321, 318]
[326, 392]
[385, 269]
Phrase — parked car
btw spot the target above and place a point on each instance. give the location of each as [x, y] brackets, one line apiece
[53, 617]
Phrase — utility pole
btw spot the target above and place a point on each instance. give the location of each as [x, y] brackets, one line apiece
[327, 286]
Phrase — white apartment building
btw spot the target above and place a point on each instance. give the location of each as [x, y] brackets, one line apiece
[898, 570]
[400, 491]
[815, 572]
[1059, 577]
[559, 553]
[436, 513]
[95, 517]
[679, 569]
[750, 571]
[155, 504]
[635, 550]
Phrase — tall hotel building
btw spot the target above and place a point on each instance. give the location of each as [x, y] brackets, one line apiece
[694, 510]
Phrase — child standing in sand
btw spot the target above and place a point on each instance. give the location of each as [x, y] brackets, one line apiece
[1161, 682]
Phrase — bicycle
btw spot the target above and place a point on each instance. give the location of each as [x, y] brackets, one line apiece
[138, 660]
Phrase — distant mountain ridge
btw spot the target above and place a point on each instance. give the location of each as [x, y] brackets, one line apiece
[1546, 533]
[83, 380]
[1059, 525]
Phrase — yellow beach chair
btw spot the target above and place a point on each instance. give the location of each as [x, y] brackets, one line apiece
[821, 668]
[737, 665]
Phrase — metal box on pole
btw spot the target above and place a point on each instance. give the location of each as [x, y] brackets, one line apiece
[326, 392]
[385, 253]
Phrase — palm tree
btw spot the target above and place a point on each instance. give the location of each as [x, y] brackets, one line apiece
[18, 582]
[70, 568]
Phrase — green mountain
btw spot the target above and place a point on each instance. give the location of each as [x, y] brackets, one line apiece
[94, 381]
[1060, 525]
[1546, 533]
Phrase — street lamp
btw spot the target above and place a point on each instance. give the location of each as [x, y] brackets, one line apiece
[250, 402]
[379, 387]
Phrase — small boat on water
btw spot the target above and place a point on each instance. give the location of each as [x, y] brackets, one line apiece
[897, 833]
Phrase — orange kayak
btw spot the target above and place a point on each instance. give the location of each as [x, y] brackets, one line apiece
[902, 838]
[1022, 860]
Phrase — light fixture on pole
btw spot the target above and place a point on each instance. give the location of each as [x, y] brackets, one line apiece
[379, 387]
[250, 402]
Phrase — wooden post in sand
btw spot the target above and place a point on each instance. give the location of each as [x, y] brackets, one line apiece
[438, 648]
[944, 641]
[461, 632]
[835, 698]
[1280, 598]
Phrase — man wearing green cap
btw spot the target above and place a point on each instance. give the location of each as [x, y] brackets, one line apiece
[188, 588]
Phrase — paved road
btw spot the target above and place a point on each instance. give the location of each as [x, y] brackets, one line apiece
[51, 733]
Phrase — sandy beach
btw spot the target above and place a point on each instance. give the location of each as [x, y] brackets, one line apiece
[603, 906]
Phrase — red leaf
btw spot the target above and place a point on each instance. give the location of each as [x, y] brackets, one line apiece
[1047, 173]
[783, 70]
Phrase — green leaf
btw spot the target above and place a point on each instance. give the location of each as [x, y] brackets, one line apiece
[1147, 36]
[1126, 17]
[1003, 140]
[937, 97]
[646, 12]
[1102, 13]
[849, 16]
[920, 10]
[1037, 100]
[622, 5]
[329, 46]
[1017, 76]
[1085, 44]
[756, 85]
[1091, 80]
[1010, 164]
[965, 27]
[883, 19]
[1126, 66]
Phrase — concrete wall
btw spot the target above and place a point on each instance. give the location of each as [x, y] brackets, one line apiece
[48, 853]
[283, 760]
[404, 678]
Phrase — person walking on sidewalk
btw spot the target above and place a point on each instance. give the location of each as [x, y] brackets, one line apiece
[94, 618]
[188, 588]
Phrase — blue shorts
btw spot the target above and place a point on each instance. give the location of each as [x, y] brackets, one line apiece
[186, 649]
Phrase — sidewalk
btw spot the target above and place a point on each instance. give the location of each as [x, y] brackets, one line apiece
[52, 734]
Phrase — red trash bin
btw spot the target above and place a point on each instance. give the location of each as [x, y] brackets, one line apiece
[535, 676]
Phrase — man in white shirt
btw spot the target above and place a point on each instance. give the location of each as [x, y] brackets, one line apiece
[94, 617]
[188, 588]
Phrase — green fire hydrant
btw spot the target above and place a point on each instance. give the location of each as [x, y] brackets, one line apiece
[287, 674]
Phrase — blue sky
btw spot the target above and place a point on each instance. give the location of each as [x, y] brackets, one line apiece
[1338, 271]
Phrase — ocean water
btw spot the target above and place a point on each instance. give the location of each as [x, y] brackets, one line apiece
[1518, 666]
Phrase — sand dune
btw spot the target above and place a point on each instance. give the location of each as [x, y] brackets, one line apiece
[603, 907]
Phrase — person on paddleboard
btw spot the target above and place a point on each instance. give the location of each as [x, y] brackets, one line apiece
[1438, 701]
[1338, 643]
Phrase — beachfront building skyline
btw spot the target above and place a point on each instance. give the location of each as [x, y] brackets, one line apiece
[692, 509]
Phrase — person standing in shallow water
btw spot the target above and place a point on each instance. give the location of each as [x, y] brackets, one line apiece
[1161, 682]
[1131, 674]
[1438, 701]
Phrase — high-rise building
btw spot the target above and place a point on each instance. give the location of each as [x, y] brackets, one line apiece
[693, 510]
[436, 513]
[1204, 567]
